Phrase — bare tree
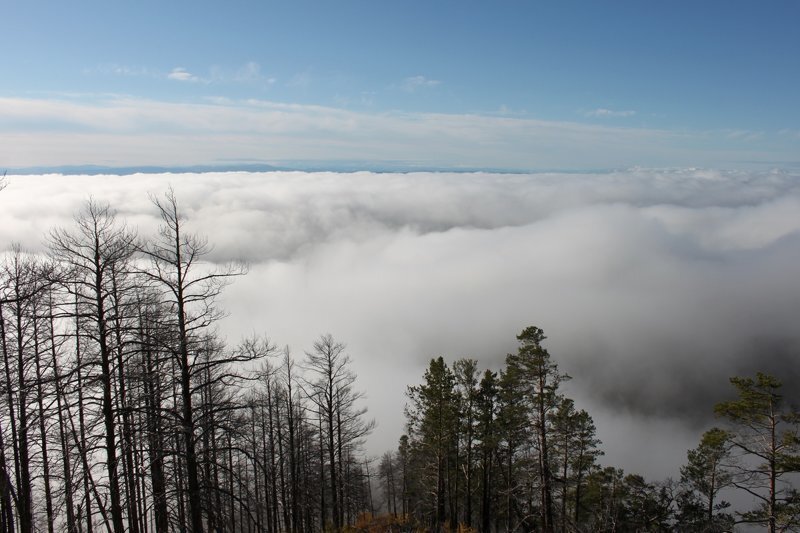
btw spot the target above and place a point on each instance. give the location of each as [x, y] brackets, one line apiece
[22, 284]
[98, 247]
[331, 389]
[190, 290]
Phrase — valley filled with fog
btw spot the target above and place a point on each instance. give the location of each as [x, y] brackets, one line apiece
[653, 286]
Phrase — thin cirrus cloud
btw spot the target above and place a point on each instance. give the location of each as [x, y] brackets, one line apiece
[609, 113]
[121, 70]
[247, 73]
[251, 72]
[414, 83]
[129, 131]
[653, 286]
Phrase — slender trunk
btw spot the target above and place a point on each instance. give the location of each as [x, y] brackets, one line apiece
[177, 462]
[48, 497]
[7, 483]
[152, 396]
[486, 513]
[772, 471]
[139, 480]
[81, 443]
[127, 429]
[105, 378]
[509, 486]
[291, 421]
[440, 487]
[256, 477]
[266, 460]
[468, 509]
[282, 460]
[232, 498]
[6, 488]
[24, 491]
[90, 485]
[710, 510]
[578, 482]
[564, 467]
[273, 469]
[208, 419]
[215, 467]
[322, 508]
[544, 463]
[339, 444]
[452, 483]
[65, 451]
[337, 523]
[392, 482]
[195, 503]
[369, 488]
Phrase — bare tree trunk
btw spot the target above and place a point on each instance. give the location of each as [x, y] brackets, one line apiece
[281, 461]
[323, 509]
[273, 467]
[118, 313]
[231, 493]
[65, 450]
[256, 477]
[82, 447]
[191, 297]
[24, 491]
[292, 451]
[108, 404]
[155, 445]
[6, 490]
[205, 452]
[267, 460]
[11, 415]
[48, 498]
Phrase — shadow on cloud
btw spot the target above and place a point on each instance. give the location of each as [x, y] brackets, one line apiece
[653, 286]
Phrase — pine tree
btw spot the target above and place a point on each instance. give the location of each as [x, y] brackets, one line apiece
[540, 380]
[432, 426]
[703, 476]
[763, 433]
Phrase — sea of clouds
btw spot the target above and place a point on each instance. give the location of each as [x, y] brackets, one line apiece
[653, 286]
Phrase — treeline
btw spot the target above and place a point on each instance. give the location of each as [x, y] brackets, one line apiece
[121, 409]
[509, 451]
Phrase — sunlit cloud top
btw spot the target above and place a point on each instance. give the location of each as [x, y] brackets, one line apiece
[653, 286]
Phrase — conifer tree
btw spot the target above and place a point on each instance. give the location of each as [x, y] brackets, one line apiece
[763, 435]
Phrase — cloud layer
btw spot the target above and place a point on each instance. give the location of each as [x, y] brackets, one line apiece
[125, 131]
[653, 286]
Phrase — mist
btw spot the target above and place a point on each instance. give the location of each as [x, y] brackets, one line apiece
[654, 286]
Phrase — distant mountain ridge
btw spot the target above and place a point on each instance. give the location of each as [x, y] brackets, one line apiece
[285, 166]
[94, 170]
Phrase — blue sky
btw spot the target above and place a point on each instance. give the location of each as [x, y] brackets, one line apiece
[507, 84]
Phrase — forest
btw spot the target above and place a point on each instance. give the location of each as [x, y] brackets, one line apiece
[122, 410]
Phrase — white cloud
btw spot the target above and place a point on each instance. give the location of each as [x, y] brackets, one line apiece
[128, 131]
[181, 74]
[413, 83]
[653, 286]
[121, 70]
[250, 72]
[745, 135]
[603, 112]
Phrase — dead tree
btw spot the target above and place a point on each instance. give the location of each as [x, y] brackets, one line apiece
[190, 290]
